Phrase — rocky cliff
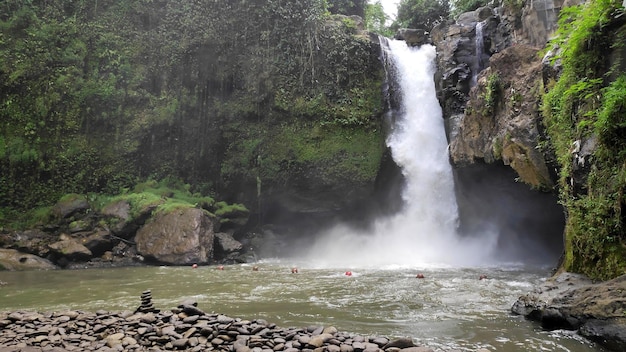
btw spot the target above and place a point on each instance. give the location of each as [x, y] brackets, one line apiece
[274, 105]
[489, 83]
[554, 120]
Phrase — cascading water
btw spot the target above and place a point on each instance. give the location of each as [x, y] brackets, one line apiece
[424, 232]
[479, 48]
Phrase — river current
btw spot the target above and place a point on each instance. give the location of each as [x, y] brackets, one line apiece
[448, 308]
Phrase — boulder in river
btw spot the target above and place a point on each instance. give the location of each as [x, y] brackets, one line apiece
[179, 237]
[227, 248]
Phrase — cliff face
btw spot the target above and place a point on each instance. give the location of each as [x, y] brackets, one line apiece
[502, 121]
[554, 121]
[490, 83]
[273, 105]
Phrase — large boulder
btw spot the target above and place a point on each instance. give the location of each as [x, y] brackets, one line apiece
[98, 242]
[11, 259]
[67, 250]
[569, 301]
[70, 205]
[122, 220]
[227, 248]
[33, 241]
[179, 237]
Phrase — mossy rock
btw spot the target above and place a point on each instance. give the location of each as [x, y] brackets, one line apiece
[69, 205]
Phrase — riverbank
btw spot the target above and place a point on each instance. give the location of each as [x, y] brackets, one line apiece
[596, 311]
[447, 310]
[185, 328]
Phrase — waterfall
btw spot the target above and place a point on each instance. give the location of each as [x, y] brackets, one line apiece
[418, 140]
[424, 232]
[479, 48]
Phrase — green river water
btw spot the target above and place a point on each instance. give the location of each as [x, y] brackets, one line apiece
[449, 308]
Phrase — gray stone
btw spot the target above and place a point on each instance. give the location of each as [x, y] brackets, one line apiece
[318, 340]
[358, 346]
[179, 237]
[180, 343]
[572, 301]
[14, 260]
[346, 348]
[404, 342]
[70, 249]
[222, 319]
[417, 349]
[70, 205]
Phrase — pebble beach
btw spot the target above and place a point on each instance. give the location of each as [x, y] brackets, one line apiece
[184, 328]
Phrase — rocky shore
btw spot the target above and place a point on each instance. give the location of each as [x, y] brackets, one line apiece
[185, 328]
[570, 301]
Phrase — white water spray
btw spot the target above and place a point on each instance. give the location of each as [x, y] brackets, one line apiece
[424, 233]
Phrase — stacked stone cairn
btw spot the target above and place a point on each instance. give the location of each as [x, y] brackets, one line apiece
[185, 328]
[146, 303]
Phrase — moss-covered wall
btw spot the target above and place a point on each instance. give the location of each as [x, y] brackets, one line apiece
[236, 98]
[585, 116]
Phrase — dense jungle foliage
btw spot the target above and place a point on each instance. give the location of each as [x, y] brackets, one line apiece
[230, 97]
[586, 106]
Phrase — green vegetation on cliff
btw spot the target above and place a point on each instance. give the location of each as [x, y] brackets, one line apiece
[98, 95]
[586, 107]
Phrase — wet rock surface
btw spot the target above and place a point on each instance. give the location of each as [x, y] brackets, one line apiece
[186, 328]
[11, 259]
[507, 128]
[183, 236]
[570, 301]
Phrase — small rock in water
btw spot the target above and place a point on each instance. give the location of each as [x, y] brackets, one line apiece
[400, 343]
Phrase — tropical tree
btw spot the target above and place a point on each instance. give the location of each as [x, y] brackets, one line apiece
[422, 14]
[376, 19]
[347, 7]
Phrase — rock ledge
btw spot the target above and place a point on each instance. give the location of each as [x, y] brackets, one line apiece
[570, 301]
